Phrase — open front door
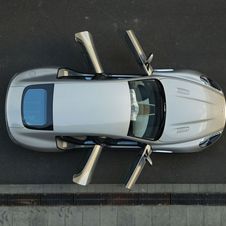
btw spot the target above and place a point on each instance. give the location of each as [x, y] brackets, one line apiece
[143, 60]
[138, 166]
[86, 39]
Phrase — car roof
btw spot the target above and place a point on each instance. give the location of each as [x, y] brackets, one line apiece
[92, 107]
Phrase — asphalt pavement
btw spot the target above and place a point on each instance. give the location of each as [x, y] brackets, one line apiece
[181, 34]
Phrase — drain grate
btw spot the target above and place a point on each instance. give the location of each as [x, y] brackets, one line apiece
[113, 199]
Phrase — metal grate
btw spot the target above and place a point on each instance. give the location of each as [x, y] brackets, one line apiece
[113, 199]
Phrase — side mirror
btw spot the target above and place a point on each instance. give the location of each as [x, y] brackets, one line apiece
[61, 144]
[138, 167]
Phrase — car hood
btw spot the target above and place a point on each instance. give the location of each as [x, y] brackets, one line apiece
[91, 107]
[193, 110]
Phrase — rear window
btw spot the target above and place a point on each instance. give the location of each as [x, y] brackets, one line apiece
[37, 105]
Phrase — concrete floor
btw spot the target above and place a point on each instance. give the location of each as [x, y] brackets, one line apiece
[181, 34]
[114, 216]
[188, 34]
[111, 188]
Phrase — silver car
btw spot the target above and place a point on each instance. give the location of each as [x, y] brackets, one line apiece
[58, 109]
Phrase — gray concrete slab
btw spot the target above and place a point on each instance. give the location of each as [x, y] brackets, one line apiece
[223, 216]
[113, 216]
[6, 217]
[212, 216]
[142, 216]
[178, 216]
[125, 216]
[195, 216]
[91, 215]
[112, 188]
[21, 218]
[161, 215]
[41, 217]
[108, 215]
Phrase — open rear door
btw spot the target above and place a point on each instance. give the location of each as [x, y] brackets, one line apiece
[85, 176]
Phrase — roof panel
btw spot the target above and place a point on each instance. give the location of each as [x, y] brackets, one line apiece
[92, 107]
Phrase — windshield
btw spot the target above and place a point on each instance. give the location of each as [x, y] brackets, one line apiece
[147, 109]
[37, 106]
